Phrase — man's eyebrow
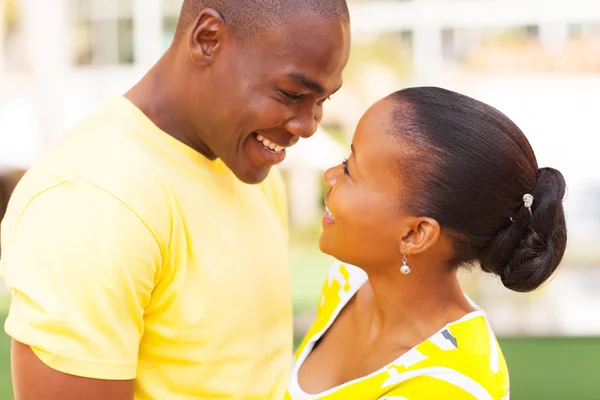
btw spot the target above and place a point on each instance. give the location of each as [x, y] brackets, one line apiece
[308, 83]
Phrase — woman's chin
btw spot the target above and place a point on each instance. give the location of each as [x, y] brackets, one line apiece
[325, 246]
[322, 245]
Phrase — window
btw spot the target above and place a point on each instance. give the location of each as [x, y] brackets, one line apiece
[103, 32]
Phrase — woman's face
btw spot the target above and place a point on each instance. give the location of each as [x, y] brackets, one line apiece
[364, 221]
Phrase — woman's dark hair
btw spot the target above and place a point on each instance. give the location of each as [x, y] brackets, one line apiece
[471, 168]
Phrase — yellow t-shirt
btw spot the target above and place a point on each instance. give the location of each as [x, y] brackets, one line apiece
[462, 361]
[129, 255]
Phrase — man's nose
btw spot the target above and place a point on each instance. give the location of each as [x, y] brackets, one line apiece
[304, 125]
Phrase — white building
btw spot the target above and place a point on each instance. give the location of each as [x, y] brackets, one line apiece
[441, 26]
[62, 58]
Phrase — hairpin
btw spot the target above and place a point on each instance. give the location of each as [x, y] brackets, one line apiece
[528, 202]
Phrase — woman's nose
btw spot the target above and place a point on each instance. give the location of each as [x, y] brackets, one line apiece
[330, 177]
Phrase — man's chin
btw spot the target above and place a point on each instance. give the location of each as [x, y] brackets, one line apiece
[253, 176]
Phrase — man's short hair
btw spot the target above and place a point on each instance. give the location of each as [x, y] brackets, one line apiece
[246, 17]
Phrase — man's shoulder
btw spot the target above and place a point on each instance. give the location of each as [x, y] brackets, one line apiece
[55, 194]
[102, 154]
[137, 191]
[105, 146]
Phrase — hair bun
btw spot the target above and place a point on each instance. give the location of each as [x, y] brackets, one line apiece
[528, 252]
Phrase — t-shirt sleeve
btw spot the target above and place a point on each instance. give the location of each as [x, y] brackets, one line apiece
[81, 267]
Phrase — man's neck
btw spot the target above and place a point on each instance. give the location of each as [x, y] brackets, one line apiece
[159, 95]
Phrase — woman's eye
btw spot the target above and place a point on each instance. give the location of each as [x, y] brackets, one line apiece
[345, 164]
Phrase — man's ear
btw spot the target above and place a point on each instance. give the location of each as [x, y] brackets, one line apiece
[206, 36]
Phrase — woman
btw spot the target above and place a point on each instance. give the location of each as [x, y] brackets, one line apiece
[436, 181]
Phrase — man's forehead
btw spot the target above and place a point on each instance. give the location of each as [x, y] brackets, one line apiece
[309, 55]
[316, 40]
[320, 39]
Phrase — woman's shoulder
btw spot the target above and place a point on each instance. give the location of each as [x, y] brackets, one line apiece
[344, 276]
[341, 283]
[464, 356]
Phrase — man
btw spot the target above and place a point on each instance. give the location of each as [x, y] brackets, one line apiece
[147, 252]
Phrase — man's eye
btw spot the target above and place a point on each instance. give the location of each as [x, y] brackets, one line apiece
[324, 100]
[291, 96]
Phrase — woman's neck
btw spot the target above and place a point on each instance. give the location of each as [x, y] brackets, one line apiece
[409, 307]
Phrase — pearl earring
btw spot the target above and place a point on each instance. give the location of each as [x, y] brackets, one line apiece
[404, 269]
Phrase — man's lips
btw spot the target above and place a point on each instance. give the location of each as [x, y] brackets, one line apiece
[266, 152]
[270, 149]
[269, 144]
[285, 140]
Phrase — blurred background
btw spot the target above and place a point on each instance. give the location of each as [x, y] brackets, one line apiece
[537, 61]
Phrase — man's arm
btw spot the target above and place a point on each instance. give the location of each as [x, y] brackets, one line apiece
[34, 380]
[81, 267]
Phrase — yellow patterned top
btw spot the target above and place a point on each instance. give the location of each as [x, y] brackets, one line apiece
[462, 361]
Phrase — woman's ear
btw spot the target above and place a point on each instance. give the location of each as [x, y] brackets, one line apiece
[423, 233]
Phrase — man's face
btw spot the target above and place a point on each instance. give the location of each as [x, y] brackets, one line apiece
[270, 91]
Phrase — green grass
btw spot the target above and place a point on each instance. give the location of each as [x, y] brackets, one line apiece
[558, 368]
[5, 380]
